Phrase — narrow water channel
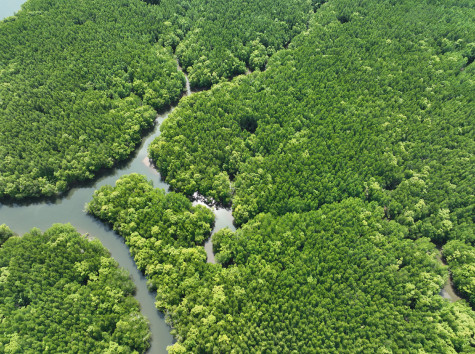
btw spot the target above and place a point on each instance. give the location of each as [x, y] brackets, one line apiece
[223, 219]
[70, 209]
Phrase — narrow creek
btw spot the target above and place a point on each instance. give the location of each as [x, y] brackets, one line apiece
[448, 291]
[21, 217]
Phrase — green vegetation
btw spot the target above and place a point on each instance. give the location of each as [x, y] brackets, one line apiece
[375, 102]
[335, 279]
[151, 220]
[79, 83]
[60, 293]
[344, 161]
[5, 233]
[378, 107]
[460, 258]
[219, 39]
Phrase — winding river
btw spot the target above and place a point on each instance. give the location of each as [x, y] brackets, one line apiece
[70, 209]
[22, 217]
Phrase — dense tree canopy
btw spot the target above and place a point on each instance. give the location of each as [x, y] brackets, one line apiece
[60, 293]
[379, 106]
[5, 233]
[344, 157]
[80, 81]
[144, 215]
[374, 101]
[220, 38]
[341, 278]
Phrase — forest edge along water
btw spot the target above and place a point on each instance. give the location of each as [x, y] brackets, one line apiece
[22, 217]
[448, 292]
[70, 209]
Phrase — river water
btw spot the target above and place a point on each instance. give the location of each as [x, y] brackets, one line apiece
[9, 7]
[70, 209]
[448, 291]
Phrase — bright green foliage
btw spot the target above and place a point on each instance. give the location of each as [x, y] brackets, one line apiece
[460, 258]
[220, 38]
[147, 216]
[79, 82]
[60, 293]
[374, 101]
[5, 233]
[340, 278]
[356, 139]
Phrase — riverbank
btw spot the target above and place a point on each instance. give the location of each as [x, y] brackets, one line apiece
[23, 216]
[10, 7]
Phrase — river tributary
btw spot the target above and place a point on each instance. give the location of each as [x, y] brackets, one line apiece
[70, 209]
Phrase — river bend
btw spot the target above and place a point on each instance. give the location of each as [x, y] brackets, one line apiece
[21, 217]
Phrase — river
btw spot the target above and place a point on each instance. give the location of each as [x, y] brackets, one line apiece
[70, 209]
[9, 7]
[448, 291]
